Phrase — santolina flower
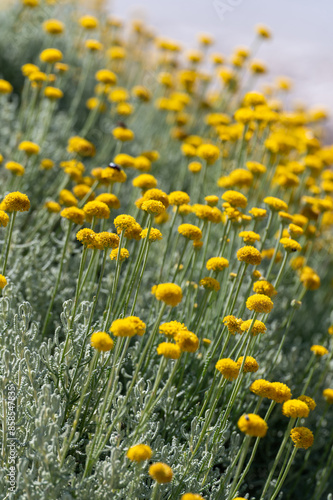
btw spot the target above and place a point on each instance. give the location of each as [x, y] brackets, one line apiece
[279, 392]
[295, 408]
[302, 437]
[73, 214]
[4, 219]
[250, 364]
[124, 254]
[228, 368]
[290, 245]
[171, 328]
[179, 198]
[217, 264]
[257, 327]
[128, 327]
[190, 231]
[139, 453]
[319, 350]
[252, 425]
[259, 303]
[169, 293]
[187, 341]
[191, 496]
[124, 221]
[161, 472]
[210, 284]
[261, 388]
[249, 255]
[3, 282]
[308, 401]
[168, 350]
[15, 202]
[275, 203]
[235, 199]
[101, 341]
[328, 395]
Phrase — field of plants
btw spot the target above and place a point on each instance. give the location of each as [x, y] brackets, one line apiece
[166, 321]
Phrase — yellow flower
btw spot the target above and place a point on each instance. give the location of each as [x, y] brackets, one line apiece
[194, 167]
[15, 202]
[309, 278]
[217, 264]
[308, 401]
[252, 425]
[128, 327]
[106, 76]
[171, 328]
[161, 472]
[179, 198]
[123, 134]
[107, 240]
[145, 181]
[124, 254]
[101, 341]
[258, 213]
[96, 209]
[3, 282]
[212, 200]
[259, 303]
[328, 395]
[27, 69]
[263, 31]
[257, 328]
[158, 195]
[208, 152]
[187, 341]
[235, 199]
[250, 365]
[275, 203]
[302, 437]
[142, 164]
[210, 284]
[4, 219]
[51, 56]
[190, 231]
[169, 293]
[93, 45]
[249, 236]
[279, 392]
[81, 190]
[205, 212]
[290, 245]
[46, 164]
[264, 287]
[5, 87]
[139, 453]
[15, 168]
[80, 146]
[88, 238]
[125, 160]
[233, 324]
[53, 93]
[155, 234]
[88, 22]
[73, 214]
[30, 148]
[124, 222]
[261, 388]
[228, 368]
[53, 26]
[116, 53]
[191, 496]
[168, 350]
[67, 198]
[319, 350]
[250, 255]
[153, 207]
[295, 408]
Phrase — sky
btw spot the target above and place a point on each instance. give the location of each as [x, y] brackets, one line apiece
[302, 42]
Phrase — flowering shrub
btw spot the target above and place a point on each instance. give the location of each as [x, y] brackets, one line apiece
[166, 269]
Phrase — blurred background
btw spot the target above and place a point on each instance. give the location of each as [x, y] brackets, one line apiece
[301, 47]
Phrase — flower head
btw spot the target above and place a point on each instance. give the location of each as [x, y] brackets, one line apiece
[319, 350]
[217, 264]
[161, 472]
[3, 281]
[101, 341]
[308, 401]
[302, 437]
[73, 214]
[169, 350]
[235, 199]
[187, 341]
[290, 245]
[139, 453]
[179, 198]
[15, 202]
[153, 207]
[252, 425]
[328, 395]
[169, 293]
[261, 388]
[96, 209]
[30, 148]
[250, 365]
[124, 222]
[124, 254]
[295, 408]
[264, 287]
[259, 303]
[51, 56]
[128, 327]
[4, 219]
[250, 255]
[155, 234]
[228, 368]
[275, 203]
[233, 324]
[279, 392]
[171, 328]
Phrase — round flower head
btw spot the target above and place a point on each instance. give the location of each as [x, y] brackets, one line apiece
[67, 198]
[30, 148]
[235, 199]
[124, 222]
[187, 341]
[309, 278]
[212, 200]
[302, 437]
[210, 284]
[169, 293]
[139, 453]
[259, 303]
[107, 240]
[110, 175]
[88, 22]
[5, 87]
[128, 327]
[257, 327]
[233, 324]
[228, 368]
[171, 328]
[168, 350]
[158, 195]
[217, 264]
[53, 27]
[124, 254]
[101, 341]
[261, 388]
[88, 238]
[255, 167]
[279, 392]
[250, 365]
[96, 209]
[161, 472]
[153, 207]
[295, 408]
[295, 231]
[290, 245]
[308, 401]
[328, 395]
[275, 203]
[133, 232]
[15, 202]
[73, 214]
[319, 350]
[264, 287]
[208, 152]
[258, 213]
[4, 219]
[155, 234]
[111, 200]
[191, 496]
[252, 425]
[106, 76]
[145, 181]
[250, 255]
[249, 237]
[179, 198]
[123, 134]
[3, 281]
[50, 56]
[195, 167]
